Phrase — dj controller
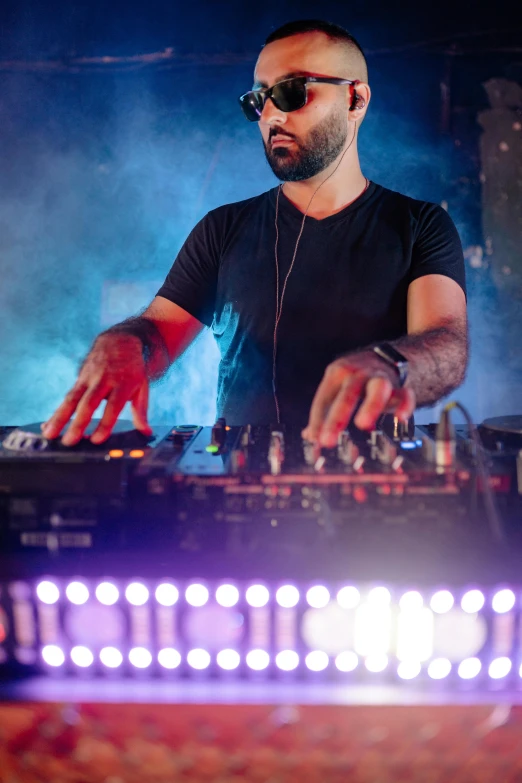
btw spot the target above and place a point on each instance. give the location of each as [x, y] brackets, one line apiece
[260, 496]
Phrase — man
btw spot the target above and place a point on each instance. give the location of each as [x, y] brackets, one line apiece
[323, 294]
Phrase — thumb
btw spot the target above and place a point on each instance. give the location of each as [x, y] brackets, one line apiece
[139, 405]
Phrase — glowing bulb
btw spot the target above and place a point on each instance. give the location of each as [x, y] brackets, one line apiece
[227, 595]
[317, 660]
[169, 658]
[411, 601]
[287, 660]
[137, 594]
[499, 667]
[111, 657]
[257, 659]
[439, 668]
[503, 601]
[318, 596]
[287, 596]
[107, 593]
[198, 658]
[140, 657]
[228, 659]
[472, 601]
[347, 661]
[408, 670]
[442, 601]
[196, 595]
[82, 656]
[47, 592]
[379, 596]
[348, 597]
[166, 594]
[53, 655]
[376, 663]
[257, 596]
[469, 668]
[77, 593]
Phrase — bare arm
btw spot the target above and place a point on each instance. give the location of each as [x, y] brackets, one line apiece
[120, 365]
[436, 349]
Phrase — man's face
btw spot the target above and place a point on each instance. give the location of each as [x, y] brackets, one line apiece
[300, 144]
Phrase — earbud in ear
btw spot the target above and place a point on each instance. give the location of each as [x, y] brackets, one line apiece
[358, 102]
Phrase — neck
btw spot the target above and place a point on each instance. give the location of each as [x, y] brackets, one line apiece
[343, 183]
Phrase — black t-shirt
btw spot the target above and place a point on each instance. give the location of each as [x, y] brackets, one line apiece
[347, 289]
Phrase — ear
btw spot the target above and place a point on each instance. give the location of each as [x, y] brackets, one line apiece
[360, 95]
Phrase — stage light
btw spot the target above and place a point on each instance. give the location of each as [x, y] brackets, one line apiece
[111, 657]
[257, 659]
[53, 655]
[77, 593]
[82, 656]
[287, 660]
[411, 601]
[503, 601]
[48, 592]
[166, 594]
[415, 634]
[107, 593]
[347, 661]
[228, 659]
[442, 601]
[372, 632]
[408, 670]
[318, 596]
[137, 594]
[348, 597]
[198, 658]
[196, 595]
[317, 660]
[169, 658]
[499, 667]
[287, 596]
[140, 657]
[379, 596]
[439, 668]
[376, 663]
[472, 601]
[227, 595]
[469, 668]
[257, 596]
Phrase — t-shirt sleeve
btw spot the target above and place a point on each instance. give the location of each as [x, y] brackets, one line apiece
[437, 249]
[192, 280]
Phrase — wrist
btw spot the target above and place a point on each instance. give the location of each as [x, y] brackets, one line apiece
[394, 360]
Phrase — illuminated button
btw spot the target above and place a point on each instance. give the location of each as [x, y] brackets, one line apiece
[212, 449]
[115, 453]
[136, 453]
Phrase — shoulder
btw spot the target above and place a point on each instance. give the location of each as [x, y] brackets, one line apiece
[422, 214]
[228, 213]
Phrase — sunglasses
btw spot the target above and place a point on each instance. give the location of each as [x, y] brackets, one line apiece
[288, 95]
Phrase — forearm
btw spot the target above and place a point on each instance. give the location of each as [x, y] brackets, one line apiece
[437, 360]
[154, 349]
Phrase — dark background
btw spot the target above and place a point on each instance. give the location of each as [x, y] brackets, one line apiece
[106, 165]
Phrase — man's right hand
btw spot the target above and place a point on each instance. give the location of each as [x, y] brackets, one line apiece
[114, 371]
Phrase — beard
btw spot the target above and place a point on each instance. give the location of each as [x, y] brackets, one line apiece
[314, 154]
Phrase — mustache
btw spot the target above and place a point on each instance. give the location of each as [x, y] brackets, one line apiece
[278, 132]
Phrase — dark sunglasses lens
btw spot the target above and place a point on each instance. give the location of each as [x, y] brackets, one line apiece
[252, 104]
[289, 95]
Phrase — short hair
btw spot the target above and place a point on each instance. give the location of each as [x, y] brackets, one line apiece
[334, 31]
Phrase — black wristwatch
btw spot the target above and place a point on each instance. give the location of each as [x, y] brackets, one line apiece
[394, 358]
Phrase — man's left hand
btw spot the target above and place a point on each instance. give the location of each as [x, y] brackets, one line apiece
[348, 380]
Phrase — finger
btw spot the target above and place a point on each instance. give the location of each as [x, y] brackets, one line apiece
[323, 398]
[402, 403]
[53, 426]
[84, 413]
[377, 395]
[115, 404]
[341, 410]
[139, 406]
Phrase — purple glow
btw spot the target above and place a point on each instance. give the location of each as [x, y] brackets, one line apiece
[503, 601]
[257, 659]
[111, 657]
[137, 594]
[287, 660]
[48, 592]
[287, 596]
[140, 657]
[53, 655]
[77, 593]
[196, 595]
[82, 656]
[317, 660]
[228, 659]
[166, 594]
[227, 595]
[257, 596]
[318, 596]
[107, 593]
